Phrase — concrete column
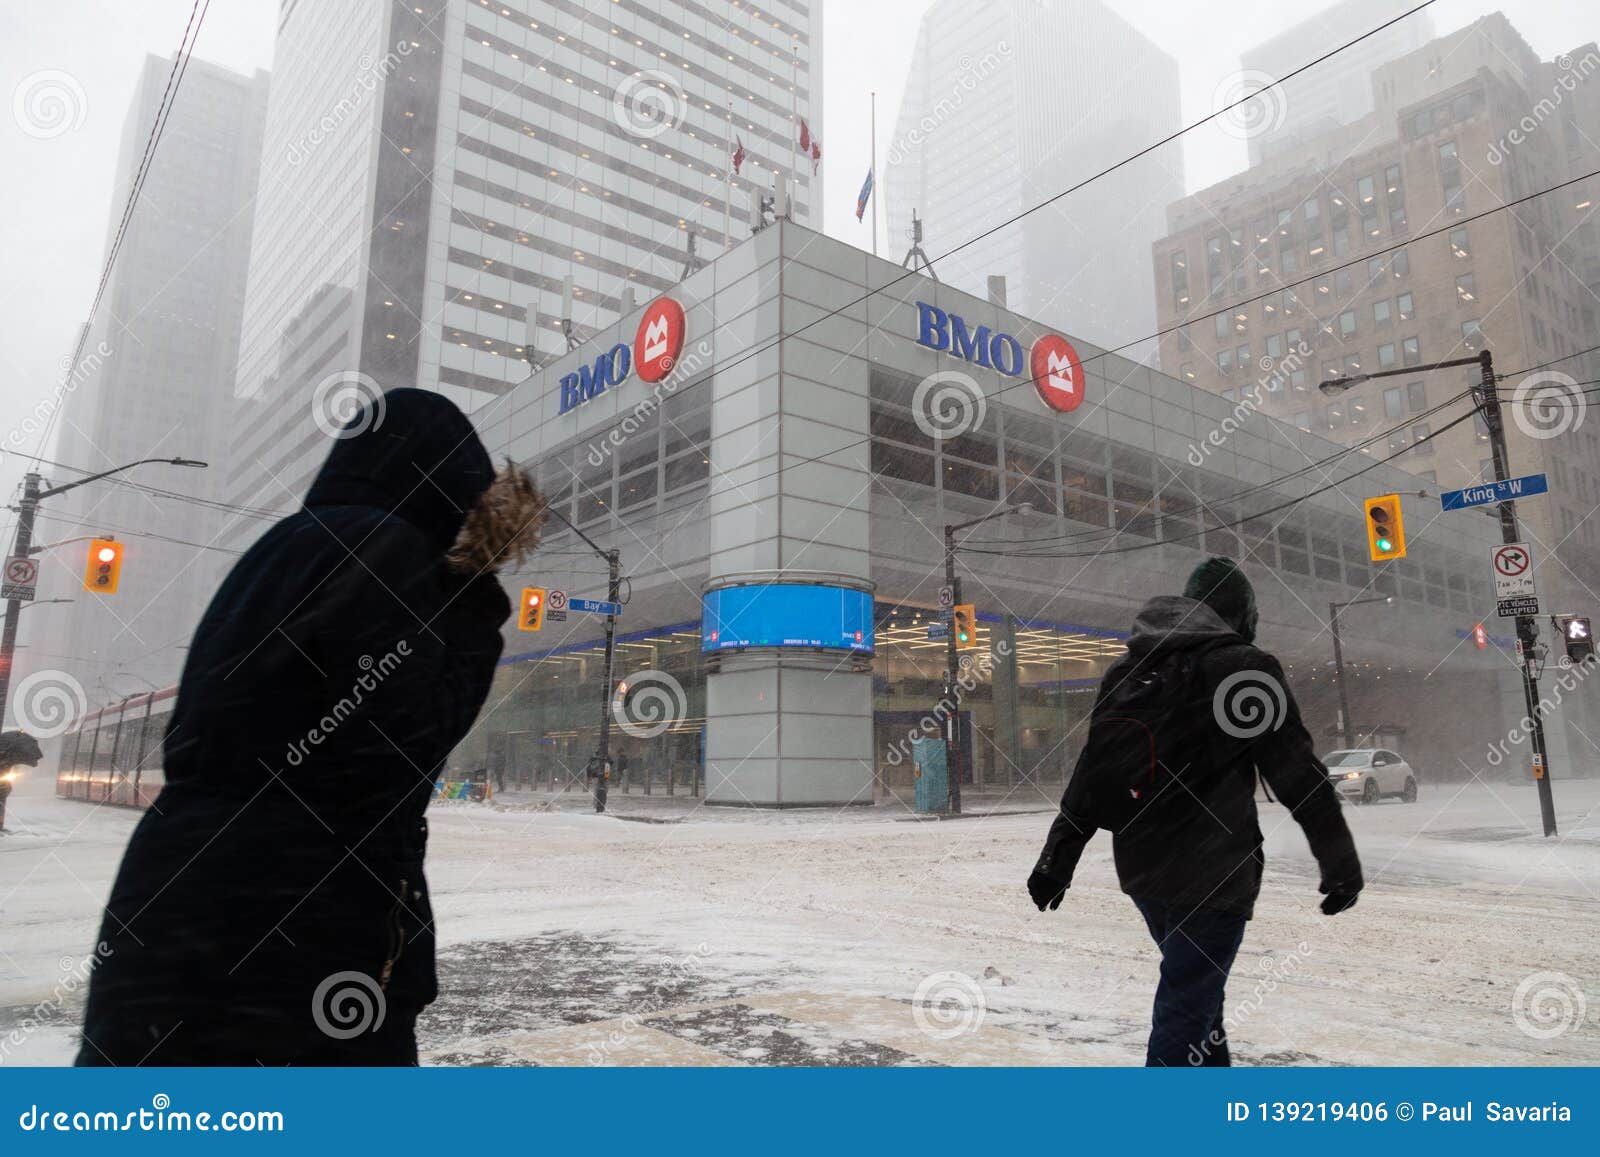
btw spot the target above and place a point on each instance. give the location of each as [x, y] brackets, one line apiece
[789, 499]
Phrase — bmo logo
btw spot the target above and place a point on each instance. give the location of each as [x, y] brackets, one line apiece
[660, 339]
[1053, 364]
[655, 351]
[1057, 373]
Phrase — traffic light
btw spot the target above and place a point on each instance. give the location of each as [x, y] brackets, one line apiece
[1480, 637]
[1386, 528]
[964, 625]
[531, 616]
[1576, 633]
[103, 568]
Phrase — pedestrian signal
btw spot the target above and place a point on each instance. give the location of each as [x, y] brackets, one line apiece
[1578, 636]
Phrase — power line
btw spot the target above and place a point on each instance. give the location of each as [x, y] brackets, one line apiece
[1271, 510]
[169, 95]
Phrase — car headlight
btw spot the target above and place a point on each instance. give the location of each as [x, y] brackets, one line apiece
[1352, 775]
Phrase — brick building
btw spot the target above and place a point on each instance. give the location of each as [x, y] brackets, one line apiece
[1363, 249]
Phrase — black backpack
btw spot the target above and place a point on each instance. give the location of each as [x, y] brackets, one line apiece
[1145, 731]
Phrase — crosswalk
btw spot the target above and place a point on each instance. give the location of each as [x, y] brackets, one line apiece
[791, 1028]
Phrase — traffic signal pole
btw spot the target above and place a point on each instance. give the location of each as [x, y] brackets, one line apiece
[22, 547]
[613, 561]
[1488, 400]
[956, 750]
[613, 594]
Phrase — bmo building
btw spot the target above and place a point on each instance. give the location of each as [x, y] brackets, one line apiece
[775, 448]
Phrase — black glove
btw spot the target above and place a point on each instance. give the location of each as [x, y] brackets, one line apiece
[1046, 892]
[1335, 902]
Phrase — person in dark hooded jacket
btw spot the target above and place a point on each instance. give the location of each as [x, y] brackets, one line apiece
[1188, 849]
[271, 906]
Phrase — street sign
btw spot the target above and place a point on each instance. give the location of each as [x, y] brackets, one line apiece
[555, 606]
[938, 631]
[21, 577]
[1512, 565]
[947, 596]
[594, 606]
[1516, 607]
[1528, 484]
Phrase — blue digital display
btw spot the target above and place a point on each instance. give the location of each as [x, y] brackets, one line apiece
[786, 615]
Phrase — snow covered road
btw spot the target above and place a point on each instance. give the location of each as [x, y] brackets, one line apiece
[715, 937]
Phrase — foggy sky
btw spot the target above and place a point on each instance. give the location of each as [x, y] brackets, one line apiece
[55, 199]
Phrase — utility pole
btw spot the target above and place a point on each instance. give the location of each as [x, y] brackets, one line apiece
[1487, 402]
[22, 547]
[613, 561]
[954, 745]
[1527, 626]
[613, 595]
[1347, 728]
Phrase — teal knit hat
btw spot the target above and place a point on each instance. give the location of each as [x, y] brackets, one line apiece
[1221, 585]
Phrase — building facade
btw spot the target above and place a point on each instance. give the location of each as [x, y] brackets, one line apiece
[1333, 94]
[434, 173]
[154, 383]
[788, 444]
[991, 124]
[1344, 257]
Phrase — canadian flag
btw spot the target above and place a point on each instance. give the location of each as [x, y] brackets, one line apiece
[738, 155]
[805, 136]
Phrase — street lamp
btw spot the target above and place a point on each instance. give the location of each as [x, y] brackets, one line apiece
[955, 760]
[33, 493]
[1346, 726]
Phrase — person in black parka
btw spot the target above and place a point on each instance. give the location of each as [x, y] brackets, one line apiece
[271, 906]
[1216, 711]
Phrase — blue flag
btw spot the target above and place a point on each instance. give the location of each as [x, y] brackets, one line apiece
[865, 196]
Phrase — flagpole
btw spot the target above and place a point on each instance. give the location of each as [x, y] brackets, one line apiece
[794, 114]
[727, 202]
[873, 170]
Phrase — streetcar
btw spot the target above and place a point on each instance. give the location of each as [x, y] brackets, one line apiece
[114, 755]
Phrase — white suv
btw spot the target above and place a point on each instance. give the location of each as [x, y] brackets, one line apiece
[1367, 774]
